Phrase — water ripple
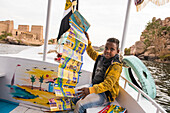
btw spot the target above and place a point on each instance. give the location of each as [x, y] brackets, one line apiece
[160, 73]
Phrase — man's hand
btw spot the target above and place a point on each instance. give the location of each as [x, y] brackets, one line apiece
[83, 92]
[87, 35]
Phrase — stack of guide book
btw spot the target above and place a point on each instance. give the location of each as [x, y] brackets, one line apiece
[71, 62]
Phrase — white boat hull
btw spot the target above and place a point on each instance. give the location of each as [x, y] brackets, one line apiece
[127, 97]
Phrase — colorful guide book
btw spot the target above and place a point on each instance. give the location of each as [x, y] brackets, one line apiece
[59, 104]
[74, 45]
[113, 109]
[70, 76]
[64, 92]
[79, 20]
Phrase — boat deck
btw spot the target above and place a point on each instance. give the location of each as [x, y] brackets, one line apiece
[22, 108]
[11, 107]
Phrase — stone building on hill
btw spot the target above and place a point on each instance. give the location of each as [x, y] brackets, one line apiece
[7, 26]
[22, 35]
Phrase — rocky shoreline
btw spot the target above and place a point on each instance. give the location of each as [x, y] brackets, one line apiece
[4, 42]
[154, 44]
[12, 40]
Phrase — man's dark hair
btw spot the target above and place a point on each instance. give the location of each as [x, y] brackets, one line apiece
[114, 40]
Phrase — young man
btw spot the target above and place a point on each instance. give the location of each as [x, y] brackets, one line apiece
[105, 77]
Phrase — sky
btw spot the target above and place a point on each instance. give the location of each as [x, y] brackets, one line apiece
[106, 18]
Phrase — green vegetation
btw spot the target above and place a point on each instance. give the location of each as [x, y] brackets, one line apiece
[19, 41]
[127, 51]
[165, 57]
[156, 34]
[147, 42]
[101, 49]
[4, 35]
[51, 41]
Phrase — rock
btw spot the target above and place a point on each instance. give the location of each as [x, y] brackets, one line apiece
[157, 37]
[52, 51]
[146, 53]
[139, 47]
[168, 47]
[149, 56]
[151, 49]
[152, 57]
[150, 53]
[32, 43]
[141, 57]
[24, 42]
[153, 19]
[168, 41]
[132, 50]
[99, 49]
[12, 40]
[142, 38]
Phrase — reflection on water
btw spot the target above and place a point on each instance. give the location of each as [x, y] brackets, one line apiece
[161, 75]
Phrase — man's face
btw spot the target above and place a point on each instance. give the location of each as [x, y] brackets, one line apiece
[110, 50]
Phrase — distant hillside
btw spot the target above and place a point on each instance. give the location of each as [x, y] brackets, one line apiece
[99, 49]
[154, 42]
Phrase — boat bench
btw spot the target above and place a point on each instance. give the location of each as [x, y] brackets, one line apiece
[97, 109]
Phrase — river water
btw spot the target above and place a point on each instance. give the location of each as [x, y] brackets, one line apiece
[11, 49]
[159, 71]
[161, 75]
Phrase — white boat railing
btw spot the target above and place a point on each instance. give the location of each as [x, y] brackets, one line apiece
[140, 92]
[2, 74]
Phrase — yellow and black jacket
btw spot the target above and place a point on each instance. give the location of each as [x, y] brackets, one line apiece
[110, 85]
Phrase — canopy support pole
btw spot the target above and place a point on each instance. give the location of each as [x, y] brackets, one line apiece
[47, 30]
[125, 26]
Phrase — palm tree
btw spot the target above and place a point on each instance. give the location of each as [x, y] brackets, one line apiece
[32, 80]
[41, 79]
